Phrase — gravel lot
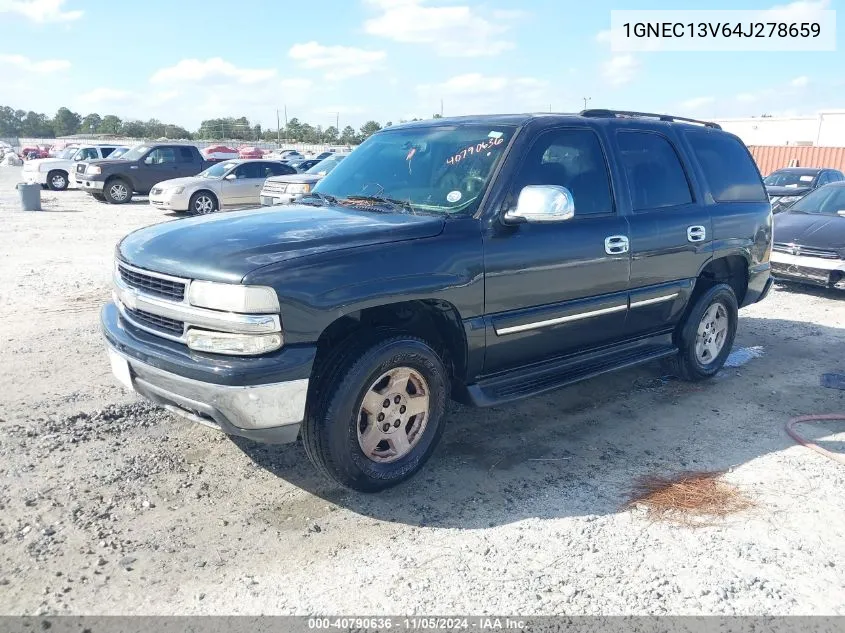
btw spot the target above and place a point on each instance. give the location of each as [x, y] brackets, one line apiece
[111, 506]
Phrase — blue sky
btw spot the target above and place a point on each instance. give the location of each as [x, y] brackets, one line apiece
[182, 61]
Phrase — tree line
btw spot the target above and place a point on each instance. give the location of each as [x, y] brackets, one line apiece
[20, 123]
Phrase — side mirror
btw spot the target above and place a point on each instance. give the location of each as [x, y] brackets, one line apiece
[230, 177]
[542, 203]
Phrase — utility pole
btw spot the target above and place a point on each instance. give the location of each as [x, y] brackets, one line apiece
[278, 128]
[286, 117]
[586, 99]
[441, 108]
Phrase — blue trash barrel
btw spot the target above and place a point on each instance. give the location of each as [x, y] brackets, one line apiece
[30, 196]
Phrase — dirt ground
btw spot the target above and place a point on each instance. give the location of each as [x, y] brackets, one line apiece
[111, 506]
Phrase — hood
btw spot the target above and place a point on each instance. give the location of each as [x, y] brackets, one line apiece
[810, 229]
[786, 191]
[47, 161]
[188, 181]
[299, 178]
[228, 246]
[108, 162]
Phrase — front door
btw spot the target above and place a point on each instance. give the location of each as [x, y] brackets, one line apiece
[554, 289]
[671, 233]
[159, 165]
[245, 187]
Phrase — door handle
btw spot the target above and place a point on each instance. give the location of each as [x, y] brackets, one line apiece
[616, 244]
[696, 233]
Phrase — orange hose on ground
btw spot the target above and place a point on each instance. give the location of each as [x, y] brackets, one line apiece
[803, 419]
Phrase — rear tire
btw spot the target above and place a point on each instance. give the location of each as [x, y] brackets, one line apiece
[117, 191]
[344, 436]
[706, 336]
[57, 180]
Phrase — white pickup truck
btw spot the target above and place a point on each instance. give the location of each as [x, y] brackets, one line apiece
[56, 173]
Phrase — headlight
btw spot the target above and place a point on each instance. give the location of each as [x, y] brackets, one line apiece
[236, 344]
[94, 169]
[174, 191]
[298, 188]
[233, 297]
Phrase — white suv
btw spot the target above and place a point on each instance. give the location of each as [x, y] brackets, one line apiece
[57, 172]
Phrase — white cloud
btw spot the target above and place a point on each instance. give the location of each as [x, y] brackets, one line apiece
[697, 102]
[800, 82]
[25, 64]
[800, 11]
[211, 71]
[746, 97]
[476, 93]
[40, 10]
[451, 31]
[336, 62]
[620, 69]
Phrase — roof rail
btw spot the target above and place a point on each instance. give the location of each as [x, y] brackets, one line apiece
[662, 117]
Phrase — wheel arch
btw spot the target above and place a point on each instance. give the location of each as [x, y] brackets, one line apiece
[731, 268]
[204, 190]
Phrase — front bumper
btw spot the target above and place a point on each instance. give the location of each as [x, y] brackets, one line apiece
[260, 398]
[273, 199]
[91, 186]
[170, 202]
[32, 177]
[809, 270]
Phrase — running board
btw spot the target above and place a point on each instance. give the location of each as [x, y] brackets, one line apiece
[554, 374]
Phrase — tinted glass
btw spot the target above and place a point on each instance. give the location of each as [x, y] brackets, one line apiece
[790, 179]
[728, 167]
[277, 169]
[825, 200]
[249, 170]
[824, 178]
[656, 178]
[572, 159]
[186, 154]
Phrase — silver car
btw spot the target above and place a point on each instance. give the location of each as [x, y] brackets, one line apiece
[227, 184]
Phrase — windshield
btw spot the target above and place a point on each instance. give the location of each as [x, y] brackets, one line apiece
[217, 171]
[789, 179]
[120, 152]
[136, 152]
[826, 201]
[325, 165]
[67, 153]
[440, 168]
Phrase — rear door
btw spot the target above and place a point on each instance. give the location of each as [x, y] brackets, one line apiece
[189, 162]
[671, 233]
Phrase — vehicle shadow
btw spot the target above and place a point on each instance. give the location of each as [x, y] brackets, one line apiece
[808, 289]
[578, 451]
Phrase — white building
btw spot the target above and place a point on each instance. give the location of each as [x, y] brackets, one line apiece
[825, 129]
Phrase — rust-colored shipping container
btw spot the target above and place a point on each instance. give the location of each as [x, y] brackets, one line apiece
[772, 157]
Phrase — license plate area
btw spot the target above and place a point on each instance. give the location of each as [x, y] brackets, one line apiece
[120, 368]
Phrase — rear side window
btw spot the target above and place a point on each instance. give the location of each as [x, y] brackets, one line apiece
[277, 169]
[728, 168]
[656, 178]
[186, 155]
[106, 151]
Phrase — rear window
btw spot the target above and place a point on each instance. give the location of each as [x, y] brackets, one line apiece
[728, 168]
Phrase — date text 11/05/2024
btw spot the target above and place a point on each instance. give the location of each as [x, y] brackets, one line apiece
[418, 623]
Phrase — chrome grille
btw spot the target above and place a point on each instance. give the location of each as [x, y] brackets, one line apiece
[274, 187]
[156, 322]
[152, 284]
[795, 249]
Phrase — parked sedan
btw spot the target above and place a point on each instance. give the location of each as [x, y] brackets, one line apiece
[288, 189]
[231, 183]
[787, 186]
[809, 239]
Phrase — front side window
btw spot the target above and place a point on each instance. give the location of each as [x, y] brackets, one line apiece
[571, 158]
[161, 156]
[656, 178]
[435, 168]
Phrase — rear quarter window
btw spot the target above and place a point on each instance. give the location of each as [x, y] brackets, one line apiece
[728, 167]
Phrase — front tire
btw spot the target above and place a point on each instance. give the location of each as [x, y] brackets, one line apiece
[202, 203]
[57, 180]
[707, 334]
[378, 413]
[117, 191]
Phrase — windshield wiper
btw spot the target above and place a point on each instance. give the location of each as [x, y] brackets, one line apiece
[322, 198]
[403, 205]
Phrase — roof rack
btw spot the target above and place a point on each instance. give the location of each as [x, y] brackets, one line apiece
[662, 117]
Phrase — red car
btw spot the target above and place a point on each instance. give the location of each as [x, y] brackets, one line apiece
[34, 151]
[250, 152]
